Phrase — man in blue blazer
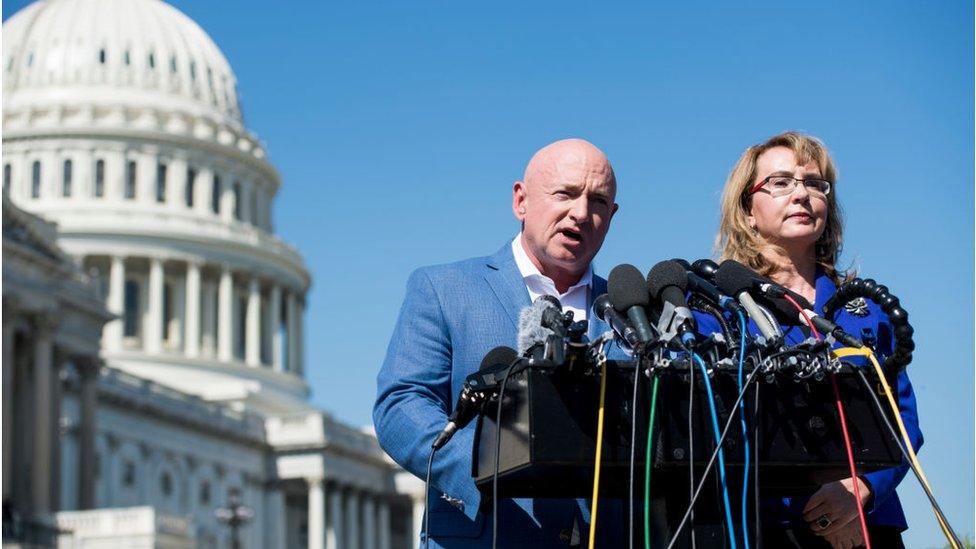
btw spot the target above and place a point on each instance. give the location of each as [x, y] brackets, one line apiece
[454, 314]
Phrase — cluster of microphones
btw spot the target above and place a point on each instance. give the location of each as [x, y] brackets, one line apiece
[651, 316]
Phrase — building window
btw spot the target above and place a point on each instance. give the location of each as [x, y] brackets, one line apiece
[254, 206]
[101, 56]
[99, 190]
[193, 71]
[215, 195]
[205, 493]
[36, 179]
[172, 64]
[6, 178]
[125, 57]
[66, 179]
[160, 182]
[167, 309]
[166, 484]
[237, 200]
[131, 320]
[191, 178]
[241, 326]
[152, 61]
[130, 179]
[128, 474]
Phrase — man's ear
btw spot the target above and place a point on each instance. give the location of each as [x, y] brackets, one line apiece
[518, 200]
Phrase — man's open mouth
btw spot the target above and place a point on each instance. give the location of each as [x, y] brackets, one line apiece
[572, 234]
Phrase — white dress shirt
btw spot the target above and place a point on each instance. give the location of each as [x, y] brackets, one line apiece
[575, 299]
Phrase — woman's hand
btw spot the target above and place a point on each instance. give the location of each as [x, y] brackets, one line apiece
[833, 508]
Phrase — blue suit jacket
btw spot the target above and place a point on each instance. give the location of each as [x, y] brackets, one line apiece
[884, 508]
[451, 317]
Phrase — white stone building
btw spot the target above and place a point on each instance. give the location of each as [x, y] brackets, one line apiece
[122, 127]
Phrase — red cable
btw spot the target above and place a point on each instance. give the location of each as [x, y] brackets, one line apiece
[804, 315]
[850, 462]
[843, 426]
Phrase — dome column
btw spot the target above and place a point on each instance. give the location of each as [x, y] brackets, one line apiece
[225, 295]
[154, 320]
[253, 338]
[192, 310]
[114, 329]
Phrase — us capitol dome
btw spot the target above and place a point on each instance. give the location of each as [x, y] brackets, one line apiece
[124, 143]
[121, 124]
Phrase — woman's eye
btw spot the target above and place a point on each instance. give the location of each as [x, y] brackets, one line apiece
[779, 182]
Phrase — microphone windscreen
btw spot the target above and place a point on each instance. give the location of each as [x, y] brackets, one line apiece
[499, 355]
[627, 288]
[551, 299]
[704, 268]
[733, 278]
[530, 328]
[666, 274]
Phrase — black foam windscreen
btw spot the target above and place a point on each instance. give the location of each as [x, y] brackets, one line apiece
[664, 275]
[627, 288]
[497, 356]
[733, 278]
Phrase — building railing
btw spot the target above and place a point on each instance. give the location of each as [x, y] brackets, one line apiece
[181, 404]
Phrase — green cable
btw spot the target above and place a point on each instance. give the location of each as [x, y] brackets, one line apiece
[647, 468]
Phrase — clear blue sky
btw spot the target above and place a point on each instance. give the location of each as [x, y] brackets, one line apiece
[399, 128]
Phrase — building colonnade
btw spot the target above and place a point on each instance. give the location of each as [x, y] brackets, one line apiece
[201, 310]
[33, 363]
[341, 516]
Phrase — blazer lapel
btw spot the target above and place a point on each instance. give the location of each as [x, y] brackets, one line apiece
[506, 282]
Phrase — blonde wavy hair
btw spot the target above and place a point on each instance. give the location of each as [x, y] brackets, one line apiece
[737, 240]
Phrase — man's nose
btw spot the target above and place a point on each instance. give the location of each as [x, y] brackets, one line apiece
[580, 210]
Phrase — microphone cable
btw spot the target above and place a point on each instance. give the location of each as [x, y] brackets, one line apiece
[711, 460]
[755, 476]
[691, 449]
[633, 458]
[498, 446]
[843, 427]
[599, 448]
[721, 454]
[947, 529]
[745, 432]
[648, 457]
[430, 463]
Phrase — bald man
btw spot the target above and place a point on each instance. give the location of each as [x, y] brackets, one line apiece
[454, 314]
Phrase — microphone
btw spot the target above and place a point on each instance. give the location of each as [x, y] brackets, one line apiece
[735, 279]
[533, 320]
[782, 306]
[473, 394]
[618, 323]
[666, 283]
[705, 268]
[628, 293]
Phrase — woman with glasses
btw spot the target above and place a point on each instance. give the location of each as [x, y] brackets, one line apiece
[780, 217]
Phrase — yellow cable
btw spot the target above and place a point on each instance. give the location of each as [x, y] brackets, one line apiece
[864, 351]
[599, 454]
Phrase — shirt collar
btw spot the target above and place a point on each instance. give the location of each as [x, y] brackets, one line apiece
[529, 271]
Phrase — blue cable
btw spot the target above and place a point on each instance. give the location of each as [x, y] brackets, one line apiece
[721, 454]
[745, 433]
